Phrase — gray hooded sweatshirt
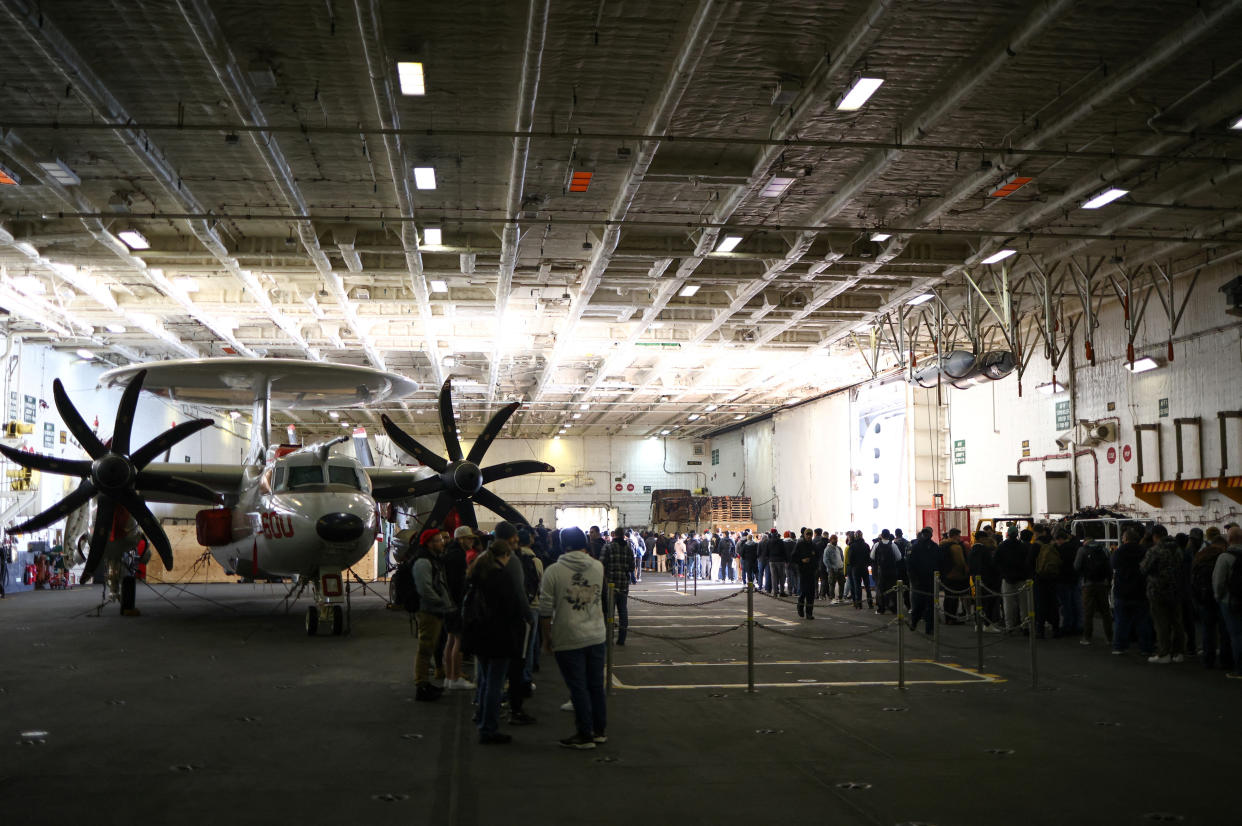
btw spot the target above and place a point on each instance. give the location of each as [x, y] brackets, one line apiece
[570, 596]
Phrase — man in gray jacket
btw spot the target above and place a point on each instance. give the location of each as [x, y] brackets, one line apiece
[434, 603]
[1230, 611]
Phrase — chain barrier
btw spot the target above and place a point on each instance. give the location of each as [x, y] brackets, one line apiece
[636, 633]
[821, 638]
[737, 593]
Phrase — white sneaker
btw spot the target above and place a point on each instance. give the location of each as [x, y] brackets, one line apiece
[1158, 660]
[460, 684]
[1177, 658]
[439, 682]
[568, 705]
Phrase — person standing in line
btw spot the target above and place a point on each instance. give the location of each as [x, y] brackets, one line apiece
[1093, 566]
[532, 571]
[1162, 565]
[679, 555]
[982, 564]
[791, 573]
[516, 566]
[1012, 563]
[805, 565]
[493, 626]
[1229, 596]
[884, 559]
[434, 603]
[777, 559]
[1130, 615]
[693, 569]
[834, 562]
[1215, 632]
[764, 559]
[903, 575]
[727, 551]
[859, 567]
[820, 541]
[1069, 592]
[748, 558]
[454, 561]
[618, 573]
[923, 562]
[572, 621]
[954, 575]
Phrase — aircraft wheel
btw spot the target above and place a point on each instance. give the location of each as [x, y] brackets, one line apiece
[312, 620]
[338, 620]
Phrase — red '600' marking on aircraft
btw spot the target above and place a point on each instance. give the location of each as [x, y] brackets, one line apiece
[276, 526]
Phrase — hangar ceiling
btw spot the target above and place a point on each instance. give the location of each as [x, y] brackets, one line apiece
[590, 159]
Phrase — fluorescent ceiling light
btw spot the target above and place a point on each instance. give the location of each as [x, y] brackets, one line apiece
[729, 243]
[1051, 387]
[739, 417]
[332, 414]
[86, 354]
[410, 76]
[425, 177]
[344, 424]
[60, 172]
[1237, 124]
[439, 286]
[693, 416]
[921, 299]
[556, 438]
[115, 328]
[431, 236]
[29, 284]
[234, 414]
[577, 415]
[688, 290]
[711, 407]
[998, 256]
[27, 248]
[186, 283]
[584, 407]
[566, 426]
[134, 239]
[858, 94]
[881, 236]
[776, 186]
[1142, 365]
[1105, 197]
[665, 432]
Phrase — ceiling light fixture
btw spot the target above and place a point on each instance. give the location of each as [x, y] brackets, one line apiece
[431, 236]
[711, 407]
[998, 256]
[134, 239]
[234, 414]
[439, 285]
[425, 177]
[332, 414]
[584, 407]
[881, 236]
[858, 94]
[86, 354]
[1011, 185]
[410, 76]
[693, 416]
[115, 328]
[921, 299]
[1237, 124]
[688, 290]
[665, 432]
[60, 172]
[1050, 387]
[776, 186]
[1105, 197]
[729, 243]
[556, 438]
[577, 415]
[1142, 365]
[739, 417]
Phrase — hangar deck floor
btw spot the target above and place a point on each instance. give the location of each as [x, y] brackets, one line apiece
[222, 711]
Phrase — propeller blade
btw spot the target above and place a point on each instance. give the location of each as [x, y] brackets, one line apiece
[149, 524]
[499, 507]
[407, 443]
[443, 505]
[506, 470]
[407, 491]
[178, 486]
[47, 464]
[146, 454]
[488, 435]
[73, 420]
[125, 413]
[79, 497]
[465, 511]
[448, 425]
[99, 536]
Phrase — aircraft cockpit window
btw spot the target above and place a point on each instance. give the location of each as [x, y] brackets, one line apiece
[343, 475]
[300, 477]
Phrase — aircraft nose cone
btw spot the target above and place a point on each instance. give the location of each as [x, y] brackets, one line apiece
[339, 527]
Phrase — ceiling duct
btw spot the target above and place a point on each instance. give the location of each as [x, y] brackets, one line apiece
[964, 369]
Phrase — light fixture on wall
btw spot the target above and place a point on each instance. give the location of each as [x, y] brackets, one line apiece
[1050, 387]
[1142, 365]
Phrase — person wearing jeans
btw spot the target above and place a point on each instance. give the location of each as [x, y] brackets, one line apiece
[1230, 611]
[618, 573]
[571, 619]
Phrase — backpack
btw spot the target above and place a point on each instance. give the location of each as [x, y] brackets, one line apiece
[885, 554]
[1233, 584]
[1095, 567]
[1163, 581]
[405, 595]
[473, 609]
[1048, 563]
[530, 576]
[1201, 580]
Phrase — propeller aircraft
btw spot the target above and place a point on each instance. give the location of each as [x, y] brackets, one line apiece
[287, 510]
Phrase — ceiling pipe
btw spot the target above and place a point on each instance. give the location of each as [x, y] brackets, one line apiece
[380, 70]
[48, 39]
[697, 38]
[528, 92]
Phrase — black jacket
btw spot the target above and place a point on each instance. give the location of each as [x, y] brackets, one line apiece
[777, 551]
[1069, 552]
[504, 625]
[805, 560]
[1013, 561]
[982, 561]
[922, 562]
[860, 555]
[454, 562]
[886, 559]
[726, 549]
[1130, 582]
[749, 551]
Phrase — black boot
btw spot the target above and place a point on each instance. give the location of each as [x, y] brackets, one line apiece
[800, 609]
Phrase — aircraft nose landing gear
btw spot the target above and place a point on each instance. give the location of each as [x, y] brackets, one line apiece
[331, 615]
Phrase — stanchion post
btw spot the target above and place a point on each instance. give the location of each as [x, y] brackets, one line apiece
[750, 638]
[696, 574]
[937, 619]
[901, 638]
[1030, 629]
[979, 619]
[611, 618]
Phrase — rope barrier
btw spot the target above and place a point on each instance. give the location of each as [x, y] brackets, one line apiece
[637, 633]
[737, 593]
[821, 638]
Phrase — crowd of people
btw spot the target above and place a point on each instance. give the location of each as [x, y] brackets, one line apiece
[503, 598]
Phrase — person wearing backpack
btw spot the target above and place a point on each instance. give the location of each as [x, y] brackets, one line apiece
[859, 565]
[954, 575]
[1162, 565]
[1215, 632]
[506, 533]
[1130, 615]
[1069, 594]
[1227, 586]
[434, 603]
[1047, 575]
[1012, 560]
[1092, 564]
[618, 572]
[982, 560]
[493, 625]
[886, 557]
[805, 566]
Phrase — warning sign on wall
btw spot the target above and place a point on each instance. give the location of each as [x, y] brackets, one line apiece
[1112, 455]
[959, 452]
[1125, 453]
[618, 486]
[1026, 448]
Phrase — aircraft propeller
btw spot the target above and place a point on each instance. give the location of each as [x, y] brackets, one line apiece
[459, 478]
[112, 473]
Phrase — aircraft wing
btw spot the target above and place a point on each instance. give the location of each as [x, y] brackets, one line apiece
[390, 478]
[223, 479]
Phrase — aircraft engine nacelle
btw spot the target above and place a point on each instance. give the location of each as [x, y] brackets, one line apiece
[214, 527]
